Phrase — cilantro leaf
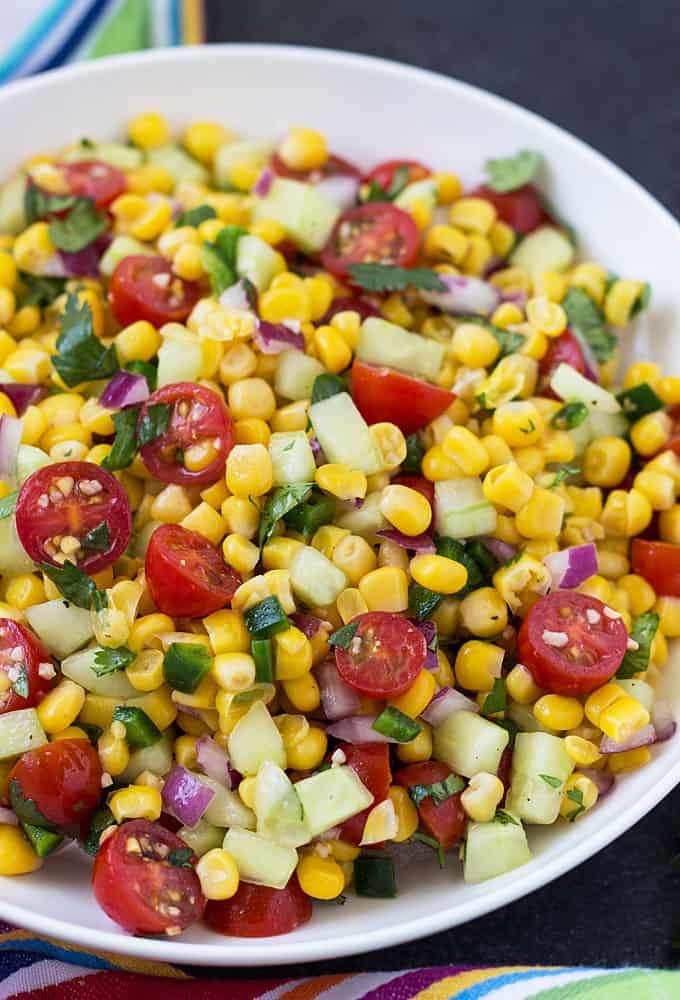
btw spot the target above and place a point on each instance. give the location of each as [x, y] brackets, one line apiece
[98, 538]
[400, 180]
[587, 321]
[564, 472]
[181, 857]
[569, 416]
[389, 278]
[343, 636]
[38, 203]
[636, 661]
[575, 795]
[20, 685]
[327, 385]
[451, 548]
[81, 356]
[422, 601]
[497, 699]
[438, 791]
[504, 818]
[154, 422]
[82, 226]
[8, 504]
[76, 586]
[109, 659]
[39, 291]
[124, 446]
[280, 502]
[195, 216]
[551, 780]
[414, 455]
[512, 172]
[424, 838]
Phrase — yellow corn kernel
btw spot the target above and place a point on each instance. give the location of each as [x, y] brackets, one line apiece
[293, 654]
[309, 752]
[278, 553]
[406, 509]
[320, 878]
[203, 139]
[252, 430]
[626, 513]
[508, 486]
[303, 693]
[279, 304]
[436, 465]
[292, 417]
[542, 516]
[17, 857]
[332, 349]
[606, 461]
[136, 802]
[466, 450]
[303, 149]
[249, 593]
[629, 760]
[327, 538]
[600, 699]
[61, 706]
[521, 685]
[418, 749]
[580, 794]
[145, 630]
[418, 696]
[591, 278]
[446, 243]
[474, 346]
[446, 576]
[668, 609]
[406, 813]
[668, 389]
[478, 664]
[32, 250]
[28, 365]
[502, 237]
[385, 589]
[669, 525]
[72, 733]
[583, 752]
[546, 316]
[8, 270]
[112, 748]
[341, 481]
[507, 315]
[249, 470]
[188, 262]
[251, 397]
[171, 505]
[641, 595]
[555, 711]
[391, 554]
[24, 591]
[239, 361]
[145, 673]
[148, 130]
[205, 520]
[621, 300]
[519, 582]
[234, 671]
[622, 718]
[497, 451]
[350, 603]
[474, 214]
[159, 705]
[391, 444]
[218, 874]
[483, 612]
[482, 796]
[658, 487]
[519, 423]
[227, 632]
[650, 433]
[240, 554]
[241, 516]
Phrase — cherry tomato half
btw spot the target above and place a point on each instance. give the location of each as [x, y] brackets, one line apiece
[23, 654]
[384, 394]
[199, 419]
[258, 911]
[566, 651]
[333, 167]
[659, 564]
[521, 208]
[63, 779]
[186, 575]
[384, 657]
[144, 287]
[378, 232]
[94, 179]
[565, 349]
[420, 484]
[137, 886]
[446, 821]
[70, 502]
[384, 173]
[371, 762]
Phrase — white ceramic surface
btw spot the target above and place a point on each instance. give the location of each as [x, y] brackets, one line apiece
[371, 110]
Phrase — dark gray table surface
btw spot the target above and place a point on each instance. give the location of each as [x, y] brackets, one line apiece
[608, 72]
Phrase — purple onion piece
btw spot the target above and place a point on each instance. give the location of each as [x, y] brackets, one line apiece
[414, 543]
[84, 263]
[663, 721]
[464, 296]
[603, 780]
[317, 451]
[501, 551]
[570, 567]
[264, 182]
[236, 297]
[341, 189]
[273, 338]
[445, 703]
[358, 729]
[23, 395]
[124, 389]
[213, 760]
[643, 737]
[338, 700]
[8, 816]
[185, 796]
[309, 624]
[429, 630]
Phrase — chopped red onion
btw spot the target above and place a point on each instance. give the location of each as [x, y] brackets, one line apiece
[570, 567]
[272, 338]
[23, 395]
[185, 796]
[603, 780]
[501, 551]
[416, 543]
[341, 189]
[663, 721]
[236, 297]
[213, 760]
[264, 182]
[84, 263]
[124, 389]
[317, 451]
[309, 624]
[447, 701]
[353, 303]
[518, 299]
[643, 737]
[10, 439]
[358, 729]
[338, 700]
[8, 816]
[429, 630]
[464, 295]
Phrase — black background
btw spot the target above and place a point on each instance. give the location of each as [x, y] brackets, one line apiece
[610, 73]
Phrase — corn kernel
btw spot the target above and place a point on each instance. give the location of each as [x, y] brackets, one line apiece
[478, 664]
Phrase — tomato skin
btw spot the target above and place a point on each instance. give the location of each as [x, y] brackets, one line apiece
[390, 655]
[63, 778]
[600, 646]
[186, 575]
[659, 564]
[94, 179]
[421, 485]
[446, 821]
[134, 890]
[521, 208]
[565, 349]
[333, 167]
[258, 911]
[377, 232]
[213, 422]
[383, 394]
[383, 173]
[134, 294]
[75, 513]
[371, 762]
[12, 634]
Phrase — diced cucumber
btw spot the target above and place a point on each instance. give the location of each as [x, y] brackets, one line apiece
[180, 359]
[14, 560]
[524, 717]
[117, 154]
[418, 193]
[315, 580]
[226, 808]
[181, 167]
[462, 510]
[571, 386]
[607, 424]
[640, 690]
[202, 838]
[80, 668]
[343, 433]
[260, 860]
[254, 151]
[20, 731]
[60, 626]
[120, 247]
[295, 375]
[255, 739]
[278, 808]
[389, 345]
[29, 460]
[366, 520]
[538, 756]
[468, 743]
[12, 217]
[493, 849]
[156, 758]
[546, 249]
[332, 796]
[256, 261]
[141, 539]
[306, 215]
[292, 458]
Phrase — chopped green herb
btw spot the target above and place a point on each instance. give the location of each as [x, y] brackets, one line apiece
[38, 204]
[422, 601]
[281, 501]
[485, 560]
[82, 226]
[639, 401]
[512, 172]
[76, 586]
[124, 446]
[195, 216]
[504, 818]
[438, 791]
[25, 808]
[108, 659]
[564, 472]
[8, 504]
[36, 290]
[20, 685]
[424, 838]
[327, 385]
[414, 455]
[642, 300]
[389, 278]
[181, 857]
[587, 320]
[154, 422]
[399, 181]
[98, 538]
[344, 635]
[551, 780]
[185, 664]
[569, 416]
[81, 356]
[636, 661]
[497, 699]
[309, 515]
[575, 795]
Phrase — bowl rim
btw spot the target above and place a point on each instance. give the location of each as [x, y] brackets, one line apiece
[502, 890]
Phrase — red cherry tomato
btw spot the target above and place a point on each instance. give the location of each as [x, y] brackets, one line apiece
[63, 779]
[21, 650]
[377, 232]
[446, 821]
[350, 303]
[258, 911]
[139, 888]
[565, 349]
[371, 762]
[521, 209]
[186, 575]
[592, 652]
[144, 287]
[384, 394]
[333, 167]
[94, 179]
[198, 417]
[72, 500]
[384, 173]
[659, 564]
[384, 657]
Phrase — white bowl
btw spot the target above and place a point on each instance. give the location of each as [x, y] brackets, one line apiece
[371, 110]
